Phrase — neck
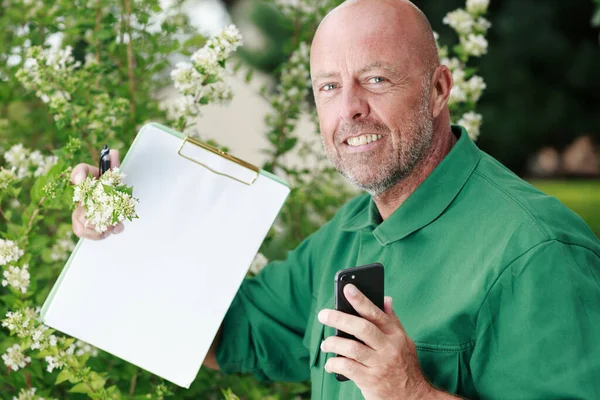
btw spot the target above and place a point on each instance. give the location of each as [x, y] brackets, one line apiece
[388, 201]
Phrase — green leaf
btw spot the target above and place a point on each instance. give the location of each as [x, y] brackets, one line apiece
[64, 375]
[288, 144]
[249, 74]
[203, 100]
[81, 388]
[37, 190]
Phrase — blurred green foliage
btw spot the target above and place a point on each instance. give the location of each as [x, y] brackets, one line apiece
[541, 72]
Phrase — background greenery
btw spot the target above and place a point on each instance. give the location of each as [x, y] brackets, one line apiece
[541, 72]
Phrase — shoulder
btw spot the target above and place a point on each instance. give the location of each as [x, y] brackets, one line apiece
[516, 205]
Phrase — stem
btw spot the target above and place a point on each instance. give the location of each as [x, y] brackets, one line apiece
[35, 213]
[3, 215]
[97, 28]
[133, 383]
[130, 57]
[28, 379]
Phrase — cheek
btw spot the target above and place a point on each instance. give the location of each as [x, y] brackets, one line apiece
[328, 121]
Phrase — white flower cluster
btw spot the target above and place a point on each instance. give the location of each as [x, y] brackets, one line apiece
[298, 8]
[202, 80]
[85, 348]
[107, 200]
[55, 77]
[14, 358]
[27, 163]
[36, 68]
[26, 325]
[9, 252]
[290, 98]
[472, 123]
[28, 394]
[258, 263]
[22, 323]
[471, 27]
[464, 90]
[7, 176]
[17, 278]
[63, 247]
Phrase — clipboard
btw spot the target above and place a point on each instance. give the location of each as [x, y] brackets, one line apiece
[156, 294]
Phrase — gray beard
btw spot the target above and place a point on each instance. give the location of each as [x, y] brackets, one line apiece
[413, 147]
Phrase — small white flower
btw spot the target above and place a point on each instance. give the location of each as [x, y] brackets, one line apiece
[457, 95]
[460, 20]
[14, 358]
[477, 6]
[18, 158]
[471, 121]
[475, 45]
[9, 252]
[474, 88]
[185, 78]
[258, 263]
[85, 348]
[7, 176]
[53, 362]
[482, 24]
[17, 278]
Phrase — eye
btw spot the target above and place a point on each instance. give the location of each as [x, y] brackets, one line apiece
[328, 87]
[376, 79]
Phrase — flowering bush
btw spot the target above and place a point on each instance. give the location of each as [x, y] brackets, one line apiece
[66, 100]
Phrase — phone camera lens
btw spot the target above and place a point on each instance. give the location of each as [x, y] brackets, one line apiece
[344, 278]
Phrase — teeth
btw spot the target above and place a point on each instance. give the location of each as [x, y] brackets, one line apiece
[363, 139]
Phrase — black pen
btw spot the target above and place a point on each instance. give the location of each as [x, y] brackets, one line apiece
[104, 160]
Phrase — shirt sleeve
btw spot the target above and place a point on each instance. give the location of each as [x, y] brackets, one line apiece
[265, 324]
[538, 330]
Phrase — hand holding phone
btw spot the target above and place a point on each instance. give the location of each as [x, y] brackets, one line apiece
[369, 280]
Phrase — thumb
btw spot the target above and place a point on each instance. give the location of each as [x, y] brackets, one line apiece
[81, 171]
[387, 306]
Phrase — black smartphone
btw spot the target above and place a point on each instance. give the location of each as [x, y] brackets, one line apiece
[369, 280]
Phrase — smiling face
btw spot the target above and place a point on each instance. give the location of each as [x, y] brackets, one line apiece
[372, 89]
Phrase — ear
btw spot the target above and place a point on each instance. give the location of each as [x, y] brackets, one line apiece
[441, 84]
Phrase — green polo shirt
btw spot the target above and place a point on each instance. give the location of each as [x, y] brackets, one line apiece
[497, 283]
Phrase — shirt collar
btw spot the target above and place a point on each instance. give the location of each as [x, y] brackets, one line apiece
[428, 201]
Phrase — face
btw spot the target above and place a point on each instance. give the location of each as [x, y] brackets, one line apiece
[373, 103]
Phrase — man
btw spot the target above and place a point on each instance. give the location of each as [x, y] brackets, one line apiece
[496, 286]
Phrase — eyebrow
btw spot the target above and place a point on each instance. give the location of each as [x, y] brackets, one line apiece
[374, 65]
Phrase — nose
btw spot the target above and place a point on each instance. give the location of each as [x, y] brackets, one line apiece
[354, 104]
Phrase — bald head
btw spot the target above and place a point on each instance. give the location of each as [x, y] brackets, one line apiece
[399, 20]
[379, 90]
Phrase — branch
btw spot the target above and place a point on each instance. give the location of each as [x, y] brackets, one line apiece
[130, 57]
[98, 19]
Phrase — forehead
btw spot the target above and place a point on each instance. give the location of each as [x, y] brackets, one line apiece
[349, 43]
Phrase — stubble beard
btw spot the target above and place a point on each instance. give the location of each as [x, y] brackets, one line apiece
[414, 142]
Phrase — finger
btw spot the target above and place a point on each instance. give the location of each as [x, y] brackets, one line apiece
[85, 229]
[81, 230]
[81, 171]
[118, 228]
[364, 330]
[349, 348]
[366, 308]
[114, 158]
[347, 367]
